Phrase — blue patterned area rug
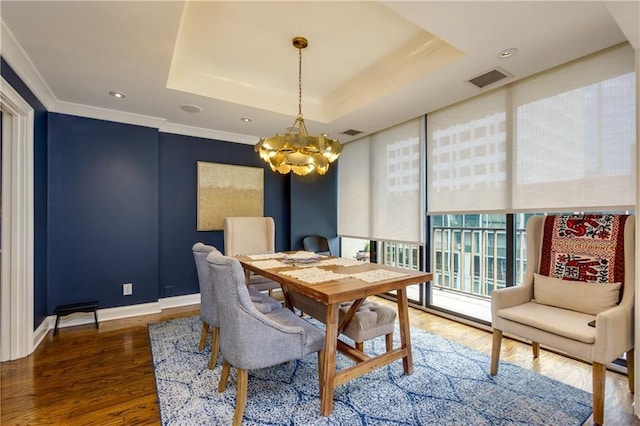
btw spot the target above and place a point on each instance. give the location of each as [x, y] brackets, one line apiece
[450, 386]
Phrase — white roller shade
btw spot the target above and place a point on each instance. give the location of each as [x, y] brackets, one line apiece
[574, 136]
[562, 140]
[354, 189]
[380, 190]
[467, 156]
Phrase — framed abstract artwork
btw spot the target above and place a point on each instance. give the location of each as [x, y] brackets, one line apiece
[226, 190]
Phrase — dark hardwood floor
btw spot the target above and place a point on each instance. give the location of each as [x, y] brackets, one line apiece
[104, 377]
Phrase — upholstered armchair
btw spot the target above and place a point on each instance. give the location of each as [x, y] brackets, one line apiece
[208, 312]
[250, 339]
[251, 235]
[580, 269]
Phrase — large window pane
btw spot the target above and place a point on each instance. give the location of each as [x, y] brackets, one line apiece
[355, 248]
[468, 262]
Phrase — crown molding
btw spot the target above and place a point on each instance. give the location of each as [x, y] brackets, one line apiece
[149, 121]
[201, 132]
[107, 114]
[20, 62]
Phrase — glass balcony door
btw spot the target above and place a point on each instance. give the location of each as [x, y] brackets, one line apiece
[470, 258]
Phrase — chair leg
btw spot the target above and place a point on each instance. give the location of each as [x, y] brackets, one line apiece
[241, 398]
[320, 371]
[535, 346]
[203, 336]
[388, 340]
[631, 373]
[214, 348]
[495, 351]
[599, 378]
[360, 346]
[224, 376]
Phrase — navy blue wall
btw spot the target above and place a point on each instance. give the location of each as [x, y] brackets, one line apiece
[116, 203]
[39, 191]
[314, 208]
[178, 200]
[103, 211]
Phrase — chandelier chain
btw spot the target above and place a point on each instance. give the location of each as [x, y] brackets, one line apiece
[299, 81]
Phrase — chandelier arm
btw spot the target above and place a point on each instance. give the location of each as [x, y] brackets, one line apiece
[303, 128]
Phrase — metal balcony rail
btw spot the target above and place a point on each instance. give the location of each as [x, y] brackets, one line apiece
[401, 255]
[472, 261]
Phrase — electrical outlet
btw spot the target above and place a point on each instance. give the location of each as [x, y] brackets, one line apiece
[127, 289]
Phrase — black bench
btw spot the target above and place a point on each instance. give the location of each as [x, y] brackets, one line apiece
[64, 310]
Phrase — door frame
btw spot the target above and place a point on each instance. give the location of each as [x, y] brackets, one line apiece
[17, 255]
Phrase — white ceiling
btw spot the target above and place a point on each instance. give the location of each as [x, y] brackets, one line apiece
[369, 65]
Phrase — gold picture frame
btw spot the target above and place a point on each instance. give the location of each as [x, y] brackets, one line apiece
[226, 190]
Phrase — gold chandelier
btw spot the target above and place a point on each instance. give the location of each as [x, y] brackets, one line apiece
[296, 151]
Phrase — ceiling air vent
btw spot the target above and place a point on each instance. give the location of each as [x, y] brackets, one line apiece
[351, 132]
[488, 78]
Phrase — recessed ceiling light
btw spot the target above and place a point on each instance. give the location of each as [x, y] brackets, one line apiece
[118, 95]
[508, 53]
[191, 108]
[246, 119]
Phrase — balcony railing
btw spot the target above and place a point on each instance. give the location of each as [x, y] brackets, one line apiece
[472, 261]
[401, 255]
[467, 264]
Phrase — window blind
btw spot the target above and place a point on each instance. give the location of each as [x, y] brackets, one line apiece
[574, 136]
[562, 140]
[380, 190]
[467, 156]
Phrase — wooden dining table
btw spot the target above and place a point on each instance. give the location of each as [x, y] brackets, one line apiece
[346, 288]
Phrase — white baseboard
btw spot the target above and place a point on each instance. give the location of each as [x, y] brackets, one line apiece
[109, 314]
[178, 301]
[41, 332]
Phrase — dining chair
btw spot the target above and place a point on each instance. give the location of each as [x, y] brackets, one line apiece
[250, 339]
[317, 244]
[577, 295]
[370, 320]
[208, 312]
[251, 235]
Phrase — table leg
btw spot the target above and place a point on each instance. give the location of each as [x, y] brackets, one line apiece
[287, 298]
[329, 361]
[405, 335]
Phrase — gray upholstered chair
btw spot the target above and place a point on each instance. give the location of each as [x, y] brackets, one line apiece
[251, 235]
[250, 339]
[580, 269]
[208, 311]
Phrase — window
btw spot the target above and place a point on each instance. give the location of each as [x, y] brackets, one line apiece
[560, 141]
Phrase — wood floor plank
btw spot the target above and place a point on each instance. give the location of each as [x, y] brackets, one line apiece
[105, 376]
